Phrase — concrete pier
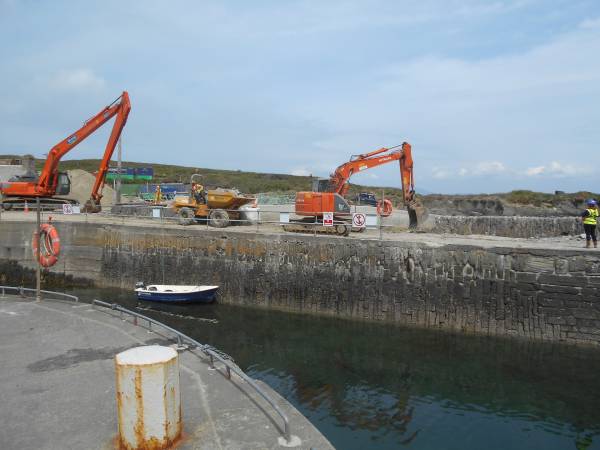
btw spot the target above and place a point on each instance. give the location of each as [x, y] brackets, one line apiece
[58, 385]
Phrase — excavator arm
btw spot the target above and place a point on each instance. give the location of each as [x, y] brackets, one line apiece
[45, 186]
[338, 181]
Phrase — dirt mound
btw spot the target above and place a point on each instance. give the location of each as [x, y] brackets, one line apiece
[81, 188]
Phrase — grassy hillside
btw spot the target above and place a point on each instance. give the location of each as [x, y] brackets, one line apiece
[254, 182]
[248, 182]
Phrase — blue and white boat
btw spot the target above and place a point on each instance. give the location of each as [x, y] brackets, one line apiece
[176, 293]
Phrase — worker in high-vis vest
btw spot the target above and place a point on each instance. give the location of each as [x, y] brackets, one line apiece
[590, 219]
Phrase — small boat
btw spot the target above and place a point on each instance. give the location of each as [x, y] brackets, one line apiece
[176, 293]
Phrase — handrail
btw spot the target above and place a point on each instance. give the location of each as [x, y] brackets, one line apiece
[21, 291]
[211, 352]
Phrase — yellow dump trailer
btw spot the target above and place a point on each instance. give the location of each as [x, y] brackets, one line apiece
[218, 206]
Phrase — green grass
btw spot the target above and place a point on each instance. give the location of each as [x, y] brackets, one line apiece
[254, 182]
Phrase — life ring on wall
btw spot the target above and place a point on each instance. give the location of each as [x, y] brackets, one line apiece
[50, 245]
[387, 208]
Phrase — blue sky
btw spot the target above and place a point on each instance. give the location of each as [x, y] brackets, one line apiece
[493, 95]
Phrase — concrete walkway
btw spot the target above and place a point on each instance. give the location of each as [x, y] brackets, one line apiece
[388, 233]
[58, 386]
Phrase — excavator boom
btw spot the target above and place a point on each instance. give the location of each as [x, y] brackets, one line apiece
[331, 198]
[338, 181]
[46, 185]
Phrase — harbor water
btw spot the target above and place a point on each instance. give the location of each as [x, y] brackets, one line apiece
[377, 386]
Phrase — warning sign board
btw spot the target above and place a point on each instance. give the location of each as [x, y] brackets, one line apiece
[359, 220]
[327, 219]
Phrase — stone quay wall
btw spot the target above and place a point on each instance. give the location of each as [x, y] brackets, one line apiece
[517, 227]
[532, 293]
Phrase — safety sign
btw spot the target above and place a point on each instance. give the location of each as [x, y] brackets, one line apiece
[359, 220]
[327, 219]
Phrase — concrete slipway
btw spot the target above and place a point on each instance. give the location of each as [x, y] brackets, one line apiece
[58, 385]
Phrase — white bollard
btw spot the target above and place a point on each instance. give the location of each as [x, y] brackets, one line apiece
[148, 397]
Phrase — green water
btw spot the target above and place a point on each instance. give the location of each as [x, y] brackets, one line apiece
[374, 386]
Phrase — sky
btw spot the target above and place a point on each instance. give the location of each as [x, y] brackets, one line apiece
[492, 95]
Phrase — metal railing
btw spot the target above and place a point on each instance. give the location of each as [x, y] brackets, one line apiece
[21, 291]
[212, 353]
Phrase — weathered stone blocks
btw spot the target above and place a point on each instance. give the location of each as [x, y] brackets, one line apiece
[522, 292]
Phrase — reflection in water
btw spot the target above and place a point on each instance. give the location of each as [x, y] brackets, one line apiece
[368, 385]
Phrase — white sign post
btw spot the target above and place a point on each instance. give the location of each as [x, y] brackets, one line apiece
[359, 220]
[327, 219]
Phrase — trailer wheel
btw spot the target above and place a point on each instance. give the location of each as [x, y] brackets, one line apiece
[218, 218]
[186, 216]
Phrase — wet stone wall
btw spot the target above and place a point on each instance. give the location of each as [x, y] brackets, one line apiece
[541, 294]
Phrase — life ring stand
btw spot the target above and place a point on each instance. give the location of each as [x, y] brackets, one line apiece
[50, 245]
[386, 209]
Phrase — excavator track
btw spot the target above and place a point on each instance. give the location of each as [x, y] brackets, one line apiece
[339, 228]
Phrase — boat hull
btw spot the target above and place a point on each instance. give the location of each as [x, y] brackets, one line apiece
[205, 296]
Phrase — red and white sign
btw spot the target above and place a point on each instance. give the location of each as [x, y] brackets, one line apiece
[327, 219]
[359, 220]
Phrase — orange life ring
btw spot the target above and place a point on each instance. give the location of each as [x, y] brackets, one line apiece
[50, 245]
[387, 208]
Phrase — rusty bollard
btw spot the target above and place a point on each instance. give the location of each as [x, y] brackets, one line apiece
[148, 398]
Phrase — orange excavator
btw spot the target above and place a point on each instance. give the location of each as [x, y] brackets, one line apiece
[51, 182]
[328, 194]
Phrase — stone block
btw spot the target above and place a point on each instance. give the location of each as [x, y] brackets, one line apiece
[551, 288]
[585, 313]
[538, 264]
[550, 302]
[526, 277]
[562, 280]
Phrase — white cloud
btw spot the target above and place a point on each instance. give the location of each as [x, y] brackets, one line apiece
[439, 173]
[77, 79]
[532, 171]
[482, 168]
[559, 170]
[488, 168]
[590, 23]
[300, 172]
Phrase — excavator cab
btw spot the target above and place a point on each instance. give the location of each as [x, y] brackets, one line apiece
[321, 185]
[63, 185]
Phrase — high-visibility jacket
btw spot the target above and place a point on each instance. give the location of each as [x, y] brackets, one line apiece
[592, 216]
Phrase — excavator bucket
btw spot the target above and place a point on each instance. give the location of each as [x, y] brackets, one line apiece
[417, 214]
[92, 207]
